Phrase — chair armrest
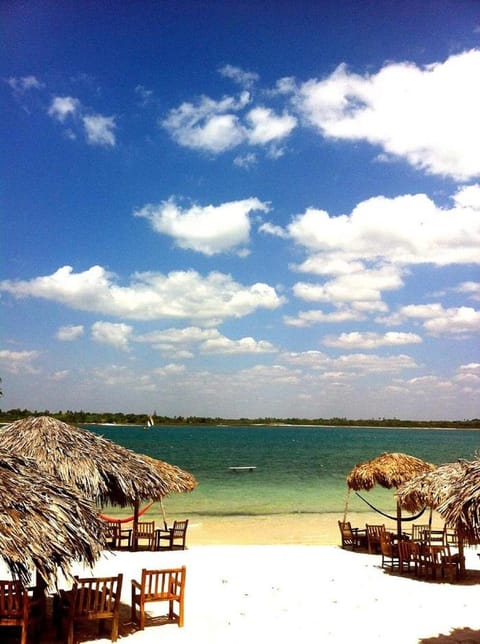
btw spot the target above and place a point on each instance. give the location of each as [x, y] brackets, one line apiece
[136, 584]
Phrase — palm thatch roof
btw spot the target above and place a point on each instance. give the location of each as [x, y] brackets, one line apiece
[431, 488]
[462, 506]
[99, 468]
[44, 525]
[390, 470]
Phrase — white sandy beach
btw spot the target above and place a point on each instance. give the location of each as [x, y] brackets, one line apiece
[239, 594]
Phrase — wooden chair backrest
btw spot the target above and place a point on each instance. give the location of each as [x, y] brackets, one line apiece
[418, 529]
[179, 529]
[375, 531]
[345, 529]
[13, 603]
[405, 549]
[168, 583]
[96, 597]
[145, 528]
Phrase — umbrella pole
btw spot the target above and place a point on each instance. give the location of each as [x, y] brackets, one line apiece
[163, 514]
[399, 520]
[346, 505]
[136, 507]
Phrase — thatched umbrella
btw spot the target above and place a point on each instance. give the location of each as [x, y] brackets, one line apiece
[434, 489]
[431, 488]
[389, 470]
[99, 468]
[462, 505]
[44, 525]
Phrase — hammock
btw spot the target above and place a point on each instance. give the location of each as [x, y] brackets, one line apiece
[127, 519]
[388, 515]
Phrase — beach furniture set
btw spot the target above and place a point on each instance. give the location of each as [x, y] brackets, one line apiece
[147, 536]
[94, 599]
[426, 552]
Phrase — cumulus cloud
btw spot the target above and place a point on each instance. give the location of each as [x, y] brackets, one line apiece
[265, 126]
[150, 295]
[175, 341]
[205, 229]
[63, 107]
[217, 126]
[438, 321]
[100, 129]
[353, 363]
[24, 84]
[370, 340]
[425, 115]
[70, 333]
[316, 316]
[239, 75]
[368, 251]
[207, 125]
[115, 334]
[226, 346]
[18, 361]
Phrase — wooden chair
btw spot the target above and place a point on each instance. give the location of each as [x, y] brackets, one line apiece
[166, 585]
[173, 538]
[418, 529]
[352, 537]
[92, 598]
[389, 551]
[146, 532]
[374, 532]
[118, 537]
[406, 556]
[18, 608]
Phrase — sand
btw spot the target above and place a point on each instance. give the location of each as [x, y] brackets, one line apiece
[238, 591]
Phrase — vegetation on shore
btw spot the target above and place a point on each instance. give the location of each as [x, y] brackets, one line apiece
[119, 418]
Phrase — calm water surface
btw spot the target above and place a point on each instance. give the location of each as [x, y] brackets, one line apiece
[298, 469]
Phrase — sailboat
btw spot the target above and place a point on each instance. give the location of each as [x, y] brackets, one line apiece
[150, 423]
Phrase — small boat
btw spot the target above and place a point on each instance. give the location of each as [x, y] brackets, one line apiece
[150, 423]
[242, 468]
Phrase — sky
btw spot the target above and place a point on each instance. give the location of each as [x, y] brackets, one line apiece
[241, 209]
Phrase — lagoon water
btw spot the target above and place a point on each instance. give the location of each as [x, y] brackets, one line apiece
[299, 469]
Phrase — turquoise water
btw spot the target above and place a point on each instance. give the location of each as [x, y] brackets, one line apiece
[298, 469]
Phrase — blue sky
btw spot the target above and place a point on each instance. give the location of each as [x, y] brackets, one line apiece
[241, 209]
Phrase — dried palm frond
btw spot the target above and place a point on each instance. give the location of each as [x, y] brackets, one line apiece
[390, 470]
[432, 488]
[44, 524]
[99, 468]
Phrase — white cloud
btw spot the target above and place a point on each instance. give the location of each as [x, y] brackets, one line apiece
[226, 346]
[70, 333]
[18, 361]
[370, 340]
[427, 116]
[316, 316]
[437, 320]
[472, 289]
[217, 126]
[363, 287]
[272, 229]
[209, 125]
[265, 126]
[353, 363]
[100, 129]
[245, 160]
[150, 296]
[62, 107]
[204, 340]
[24, 84]
[115, 334]
[239, 75]
[369, 250]
[206, 229]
